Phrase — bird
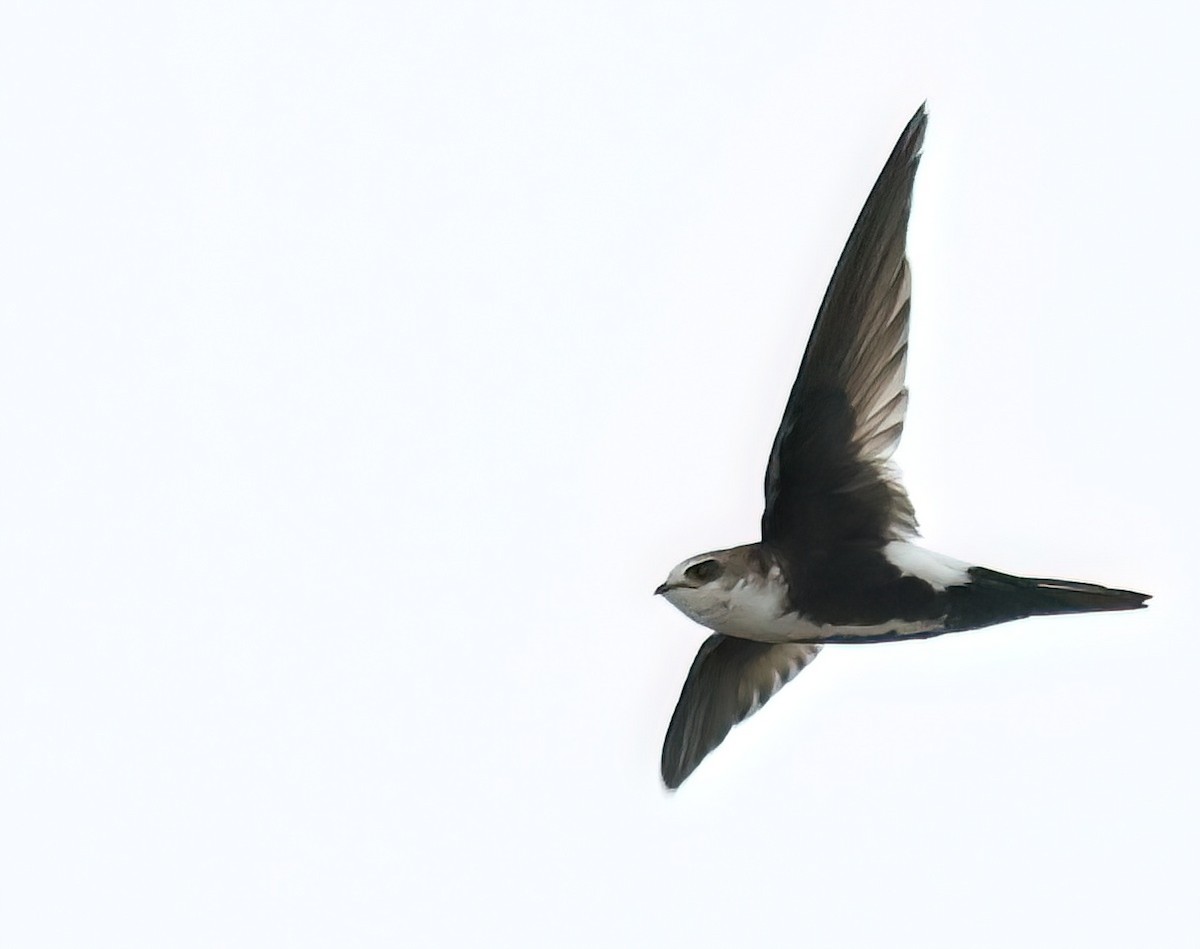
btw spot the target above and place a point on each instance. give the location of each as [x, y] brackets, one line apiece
[836, 562]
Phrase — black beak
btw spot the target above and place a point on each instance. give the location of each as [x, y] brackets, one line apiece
[662, 588]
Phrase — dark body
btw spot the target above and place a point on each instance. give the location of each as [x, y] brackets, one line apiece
[855, 585]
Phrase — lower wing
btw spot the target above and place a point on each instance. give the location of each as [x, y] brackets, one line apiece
[729, 681]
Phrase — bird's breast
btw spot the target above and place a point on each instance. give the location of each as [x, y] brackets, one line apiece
[757, 610]
[762, 611]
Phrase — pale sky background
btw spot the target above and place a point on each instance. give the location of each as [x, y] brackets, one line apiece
[365, 366]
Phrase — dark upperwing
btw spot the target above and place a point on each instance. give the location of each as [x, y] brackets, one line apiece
[828, 482]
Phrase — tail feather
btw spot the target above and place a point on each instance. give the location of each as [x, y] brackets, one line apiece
[994, 597]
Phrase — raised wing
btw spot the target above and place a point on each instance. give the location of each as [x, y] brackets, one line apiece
[828, 481]
[729, 681]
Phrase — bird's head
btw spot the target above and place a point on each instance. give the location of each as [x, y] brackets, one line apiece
[701, 586]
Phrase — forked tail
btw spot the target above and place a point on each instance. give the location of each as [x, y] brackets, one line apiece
[994, 597]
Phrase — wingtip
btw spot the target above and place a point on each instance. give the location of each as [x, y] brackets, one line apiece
[914, 132]
[673, 774]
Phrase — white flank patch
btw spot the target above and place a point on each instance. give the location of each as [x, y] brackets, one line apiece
[935, 569]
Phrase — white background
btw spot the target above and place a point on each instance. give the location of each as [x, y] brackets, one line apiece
[364, 367]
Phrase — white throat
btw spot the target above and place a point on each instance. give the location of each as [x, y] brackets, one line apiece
[755, 607]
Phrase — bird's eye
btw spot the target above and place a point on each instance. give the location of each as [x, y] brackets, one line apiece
[703, 571]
